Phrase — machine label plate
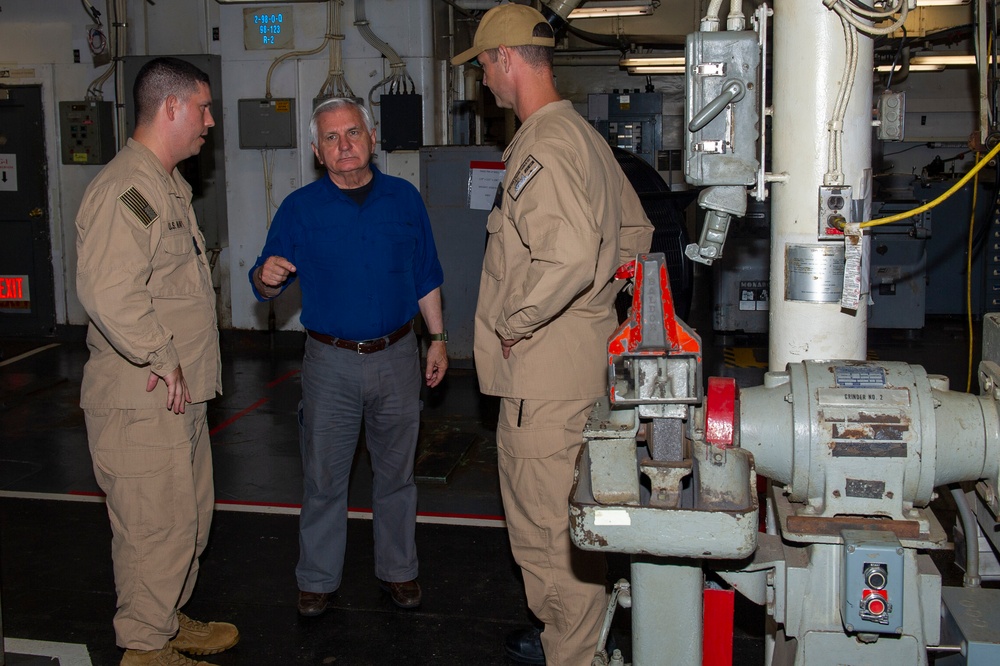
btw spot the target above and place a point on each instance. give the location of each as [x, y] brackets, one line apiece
[859, 376]
[870, 397]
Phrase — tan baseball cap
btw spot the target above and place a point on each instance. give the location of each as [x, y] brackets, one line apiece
[510, 25]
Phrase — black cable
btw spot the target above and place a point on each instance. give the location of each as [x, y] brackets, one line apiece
[92, 11]
[919, 145]
[899, 52]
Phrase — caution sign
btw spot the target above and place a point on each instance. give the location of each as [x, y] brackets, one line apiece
[8, 172]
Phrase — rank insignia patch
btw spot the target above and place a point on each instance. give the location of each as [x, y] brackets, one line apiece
[529, 168]
[136, 203]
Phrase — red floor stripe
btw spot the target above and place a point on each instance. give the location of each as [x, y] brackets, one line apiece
[236, 417]
[287, 375]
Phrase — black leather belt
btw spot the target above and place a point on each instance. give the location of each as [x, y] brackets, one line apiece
[364, 346]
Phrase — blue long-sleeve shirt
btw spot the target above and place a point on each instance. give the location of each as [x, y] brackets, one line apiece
[362, 269]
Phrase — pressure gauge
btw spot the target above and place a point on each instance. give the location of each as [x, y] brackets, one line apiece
[268, 28]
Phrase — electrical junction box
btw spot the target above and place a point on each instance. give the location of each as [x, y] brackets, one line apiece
[722, 116]
[267, 123]
[87, 132]
[402, 122]
[871, 598]
[891, 110]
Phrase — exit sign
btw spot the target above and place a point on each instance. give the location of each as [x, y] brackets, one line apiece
[14, 293]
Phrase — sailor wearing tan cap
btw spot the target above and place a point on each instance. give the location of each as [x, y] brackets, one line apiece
[564, 219]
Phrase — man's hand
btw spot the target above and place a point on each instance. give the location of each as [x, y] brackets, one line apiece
[507, 344]
[437, 363]
[275, 271]
[178, 394]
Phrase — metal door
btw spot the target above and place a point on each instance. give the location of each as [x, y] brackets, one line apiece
[27, 302]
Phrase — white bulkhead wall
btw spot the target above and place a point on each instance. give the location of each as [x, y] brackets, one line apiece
[38, 40]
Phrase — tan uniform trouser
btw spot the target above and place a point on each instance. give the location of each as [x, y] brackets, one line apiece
[538, 442]
[156, 469]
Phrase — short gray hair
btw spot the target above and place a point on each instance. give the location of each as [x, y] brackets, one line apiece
[333, 104]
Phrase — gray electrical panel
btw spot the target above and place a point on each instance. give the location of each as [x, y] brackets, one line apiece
[267, 123]
[87, 132]
[898, 268]
[206, 171]
[632, 121]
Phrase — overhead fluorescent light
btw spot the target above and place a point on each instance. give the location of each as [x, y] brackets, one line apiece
[913, 68]
[941, 3]
[639, 60]
[608, 9]
[953, 60]
[657, 69]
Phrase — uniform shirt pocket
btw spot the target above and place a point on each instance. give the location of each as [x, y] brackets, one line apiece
[493, 261]
[176, 269]
[177, 243]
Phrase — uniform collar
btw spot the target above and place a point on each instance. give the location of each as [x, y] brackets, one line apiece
[550, 108]
[174, 182]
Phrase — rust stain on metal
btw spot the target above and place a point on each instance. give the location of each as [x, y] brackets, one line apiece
[904, 529]
[578, 524]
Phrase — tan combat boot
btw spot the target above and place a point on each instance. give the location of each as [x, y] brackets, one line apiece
[166, 656]
[196, 637]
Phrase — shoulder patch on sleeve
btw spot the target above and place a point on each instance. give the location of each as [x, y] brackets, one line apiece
[529, 168]
[136, 203]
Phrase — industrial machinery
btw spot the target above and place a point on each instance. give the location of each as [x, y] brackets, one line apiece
[853, 450]
[899, 268]
[810, 494]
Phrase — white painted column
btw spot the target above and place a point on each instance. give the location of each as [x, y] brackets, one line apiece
[808, 67]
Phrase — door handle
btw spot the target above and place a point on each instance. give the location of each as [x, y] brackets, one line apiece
[35, 212]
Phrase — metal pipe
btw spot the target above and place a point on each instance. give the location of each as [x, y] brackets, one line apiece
[561, 60]
[810, 326]
[971, 528]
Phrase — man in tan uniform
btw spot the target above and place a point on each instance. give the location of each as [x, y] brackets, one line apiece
[565, 219]
[144, 279]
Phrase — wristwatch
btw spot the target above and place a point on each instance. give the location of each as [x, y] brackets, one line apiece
[438, 337]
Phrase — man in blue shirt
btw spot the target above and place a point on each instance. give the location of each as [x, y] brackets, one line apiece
[360, 242]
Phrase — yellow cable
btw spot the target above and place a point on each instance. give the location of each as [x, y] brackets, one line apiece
[968, 276]
[927, 206]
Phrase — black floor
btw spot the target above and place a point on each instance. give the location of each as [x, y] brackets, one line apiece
[56, 571]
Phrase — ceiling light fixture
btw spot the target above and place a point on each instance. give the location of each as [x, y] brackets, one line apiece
[955, 59]
[913, 68]
[657, 69]
[638, 60]
[609, 9]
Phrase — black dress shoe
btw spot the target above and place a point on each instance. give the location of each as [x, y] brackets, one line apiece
[525, 646]
[312, 604]
[405, 594]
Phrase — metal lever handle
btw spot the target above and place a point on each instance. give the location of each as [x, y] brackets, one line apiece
[732, 91]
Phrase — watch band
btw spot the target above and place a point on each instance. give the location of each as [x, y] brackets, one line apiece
[438, 337]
